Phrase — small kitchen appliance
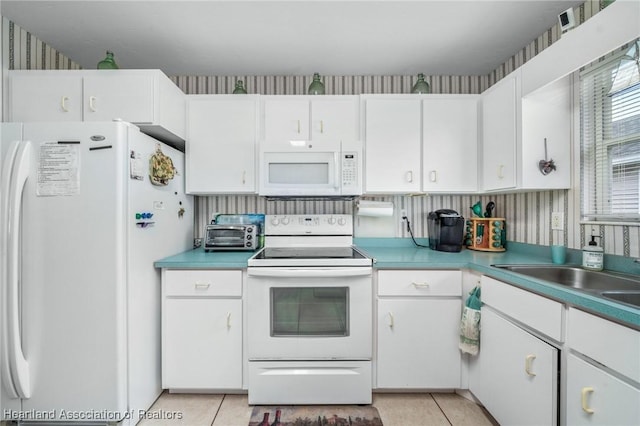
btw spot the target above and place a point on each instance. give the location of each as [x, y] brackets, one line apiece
[306, 169]
[231, 237]
[309, 300]
[446, 228]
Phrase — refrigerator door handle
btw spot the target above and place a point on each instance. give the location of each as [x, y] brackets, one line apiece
[18, 364]
[5, 185]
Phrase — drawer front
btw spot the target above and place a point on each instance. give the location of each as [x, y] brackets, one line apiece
[537, 312]
[611, 344]
[202, 283]
[419, 283]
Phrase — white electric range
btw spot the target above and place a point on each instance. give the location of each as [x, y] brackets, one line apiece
[309, 313]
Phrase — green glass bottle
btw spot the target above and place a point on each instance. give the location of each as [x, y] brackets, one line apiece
[108, 63]
[239, 90]
[421, 86]
[316, 87]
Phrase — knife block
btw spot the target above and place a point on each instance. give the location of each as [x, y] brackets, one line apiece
[486, 234]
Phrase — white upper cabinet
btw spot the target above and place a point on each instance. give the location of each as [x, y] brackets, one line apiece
[221, 144]
[109, 96]
[285, 118]
[309, 118]
[47, 97]
[514, 132]
[450, 143]
[335, 118]
[146, 98]
[499, 133]
[392, 145]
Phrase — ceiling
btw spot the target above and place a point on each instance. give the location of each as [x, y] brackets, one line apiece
[454, 37]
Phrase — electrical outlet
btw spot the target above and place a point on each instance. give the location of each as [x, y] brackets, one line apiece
[403, 213]
[557, 221]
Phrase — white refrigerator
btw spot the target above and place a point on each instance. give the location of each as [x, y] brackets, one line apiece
[81, 224]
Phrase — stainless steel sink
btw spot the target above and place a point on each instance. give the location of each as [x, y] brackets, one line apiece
[619, 287]
[628, 297]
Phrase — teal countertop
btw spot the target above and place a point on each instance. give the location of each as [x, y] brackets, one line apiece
[401, 253]
[199, 259]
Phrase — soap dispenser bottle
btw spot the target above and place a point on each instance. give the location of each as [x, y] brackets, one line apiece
[592, 255]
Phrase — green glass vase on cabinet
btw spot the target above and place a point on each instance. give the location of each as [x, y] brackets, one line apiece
[108, 63]
[316, 87]
[421, 86]
[239, 90]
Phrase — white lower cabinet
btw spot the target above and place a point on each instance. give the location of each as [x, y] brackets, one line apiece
[417, 329]
[595, 397]
[603, 372]
[202, 329]
[515, 376]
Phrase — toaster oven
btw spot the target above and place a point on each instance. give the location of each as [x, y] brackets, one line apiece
[231, 237]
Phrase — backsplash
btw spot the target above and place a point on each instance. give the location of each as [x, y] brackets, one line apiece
[528, 215]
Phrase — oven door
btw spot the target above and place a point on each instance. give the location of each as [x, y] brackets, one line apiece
[309, 313]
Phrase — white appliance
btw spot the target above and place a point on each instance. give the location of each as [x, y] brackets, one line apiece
[309, 314]
[302, 168]
[81, 225]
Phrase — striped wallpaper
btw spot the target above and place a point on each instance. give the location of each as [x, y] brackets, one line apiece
[528, 215]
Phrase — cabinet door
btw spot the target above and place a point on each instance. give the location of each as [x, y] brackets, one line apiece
[449, 145]
[114, 95]
[286, 119]
[220, 147]
[515, 375]
[595, 397]
[334, 119]
[45, 98]
[202, 343]
[499, 136]
[392, 145]
[418, 343]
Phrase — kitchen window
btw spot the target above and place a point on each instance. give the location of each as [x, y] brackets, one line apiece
[610, 137]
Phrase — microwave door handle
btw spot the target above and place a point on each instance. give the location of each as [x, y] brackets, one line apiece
[337, 171]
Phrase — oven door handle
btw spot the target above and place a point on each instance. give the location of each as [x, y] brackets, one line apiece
[309, 272]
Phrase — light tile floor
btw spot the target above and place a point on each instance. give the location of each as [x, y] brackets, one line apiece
[396, 409]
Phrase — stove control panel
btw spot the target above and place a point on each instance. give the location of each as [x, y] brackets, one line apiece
[319, 224]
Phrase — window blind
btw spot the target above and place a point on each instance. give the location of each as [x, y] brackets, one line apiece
[610, 137]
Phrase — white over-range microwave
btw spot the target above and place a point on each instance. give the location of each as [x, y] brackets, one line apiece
[308, 169]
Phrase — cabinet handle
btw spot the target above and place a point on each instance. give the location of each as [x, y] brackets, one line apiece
[501, 171]
[202, 286]
[420, 285]
[409, 176]
[244, 177]
[527, 365]
[433, 176]
[92, 106]
[228, 319]
[298, 126]
[585, 406]
[321, 126]
[391, 320]
[63, 103]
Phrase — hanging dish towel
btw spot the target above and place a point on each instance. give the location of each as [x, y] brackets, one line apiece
[470, 323]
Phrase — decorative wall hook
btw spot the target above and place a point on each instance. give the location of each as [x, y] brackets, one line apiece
[546, 166]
